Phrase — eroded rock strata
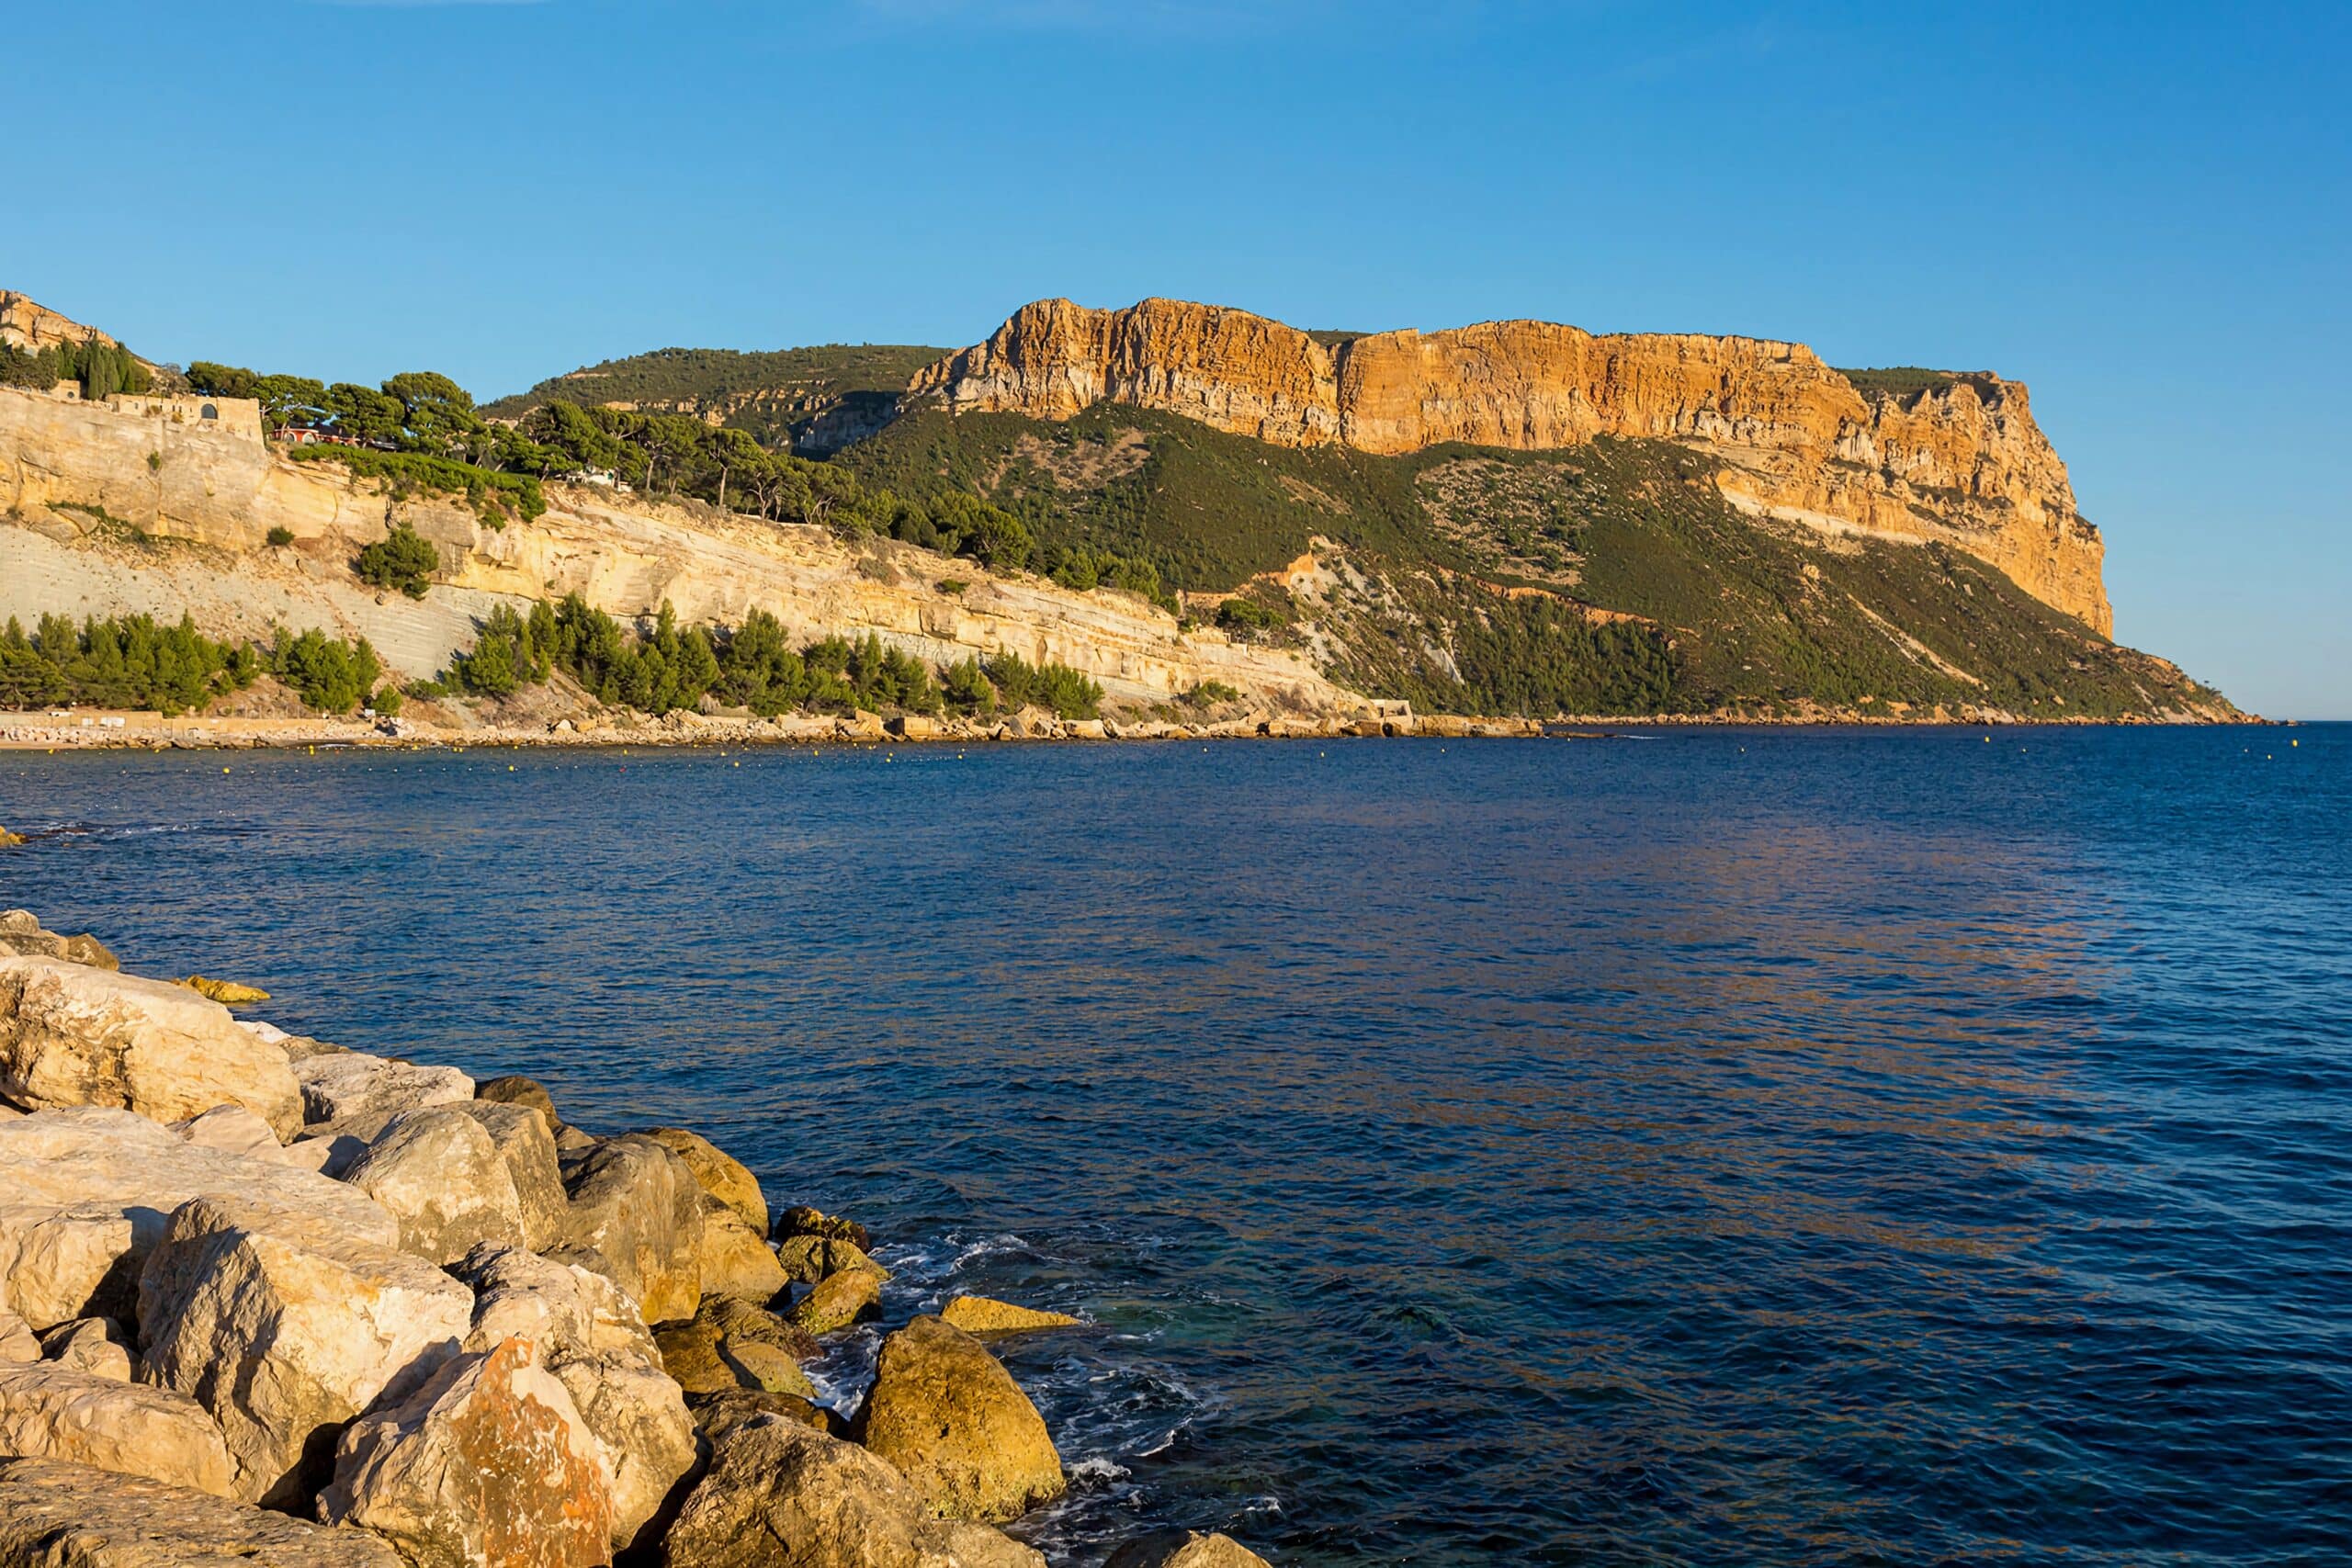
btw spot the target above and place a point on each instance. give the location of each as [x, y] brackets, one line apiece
[456, 1332]
[1960, 461]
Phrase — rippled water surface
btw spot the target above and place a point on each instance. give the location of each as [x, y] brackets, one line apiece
[1720, 1147]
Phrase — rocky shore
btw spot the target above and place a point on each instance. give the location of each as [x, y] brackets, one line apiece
[272, 1301]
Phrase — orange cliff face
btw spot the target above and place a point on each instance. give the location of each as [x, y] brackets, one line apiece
[1962, 461]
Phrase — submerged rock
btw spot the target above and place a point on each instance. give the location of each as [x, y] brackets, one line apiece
[71, 1515]
[1185, 1549]
[721, 1175]
[591, 1337]
[636, 1218]
[781, 1494]
[979, 1314]
[73, 1036]
[51, 1411]
[838, 1301]
[228, 993]
[949, 1415]
[284, 1328]
[436, 1171]
[487, 1465]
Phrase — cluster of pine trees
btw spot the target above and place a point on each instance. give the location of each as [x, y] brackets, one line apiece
[103, 370]
[750, 666]
[135, 661]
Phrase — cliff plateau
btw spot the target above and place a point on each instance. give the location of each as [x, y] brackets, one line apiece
[1958, 459]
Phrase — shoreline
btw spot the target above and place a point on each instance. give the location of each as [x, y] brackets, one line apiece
[459, 1318]
[120, 730]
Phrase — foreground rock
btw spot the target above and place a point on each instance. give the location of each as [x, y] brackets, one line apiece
[948, 1415]
[21, 936]
[350, 1091]
[735, 1259]
[636, 1218]
[524, 1139]
[837, 1301]
[730, 1344]
[69, 1515]
[72, 1035]
[17, 1344]
[721, 1174]
[49, 1411]
[232, 1130]
[84, 1193]
[90, 1344]
[591, 1338]
[1185, 1549]
[782, 1495]
[284, 1328]
[436, 1171]
[982, 1315]
[487, 1466]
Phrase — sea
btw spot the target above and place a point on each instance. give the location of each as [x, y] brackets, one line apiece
[1702, 1146]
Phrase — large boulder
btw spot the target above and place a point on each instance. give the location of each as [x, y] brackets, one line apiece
[21, 936]
[1185, 1549]
[73, 1036]
[525, 1142]
[735, 1259]
[84, 1193]
[351, 1091]
[71, 1515]
[636, 1218]
[590, 1337]
[809, 1258]
[487, 1465]
[284, 1328]
[949, 1415]
[983, 1315]
[90, 1344]
[780, 1494]
[721, 1175]
[838, 1301]
[438, 1172]
[232, 1130]
[49, 1411]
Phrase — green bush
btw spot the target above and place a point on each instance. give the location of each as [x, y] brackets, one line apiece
[328, 673]
[966, 687]
[401, 559]
[1056, 687]
[280, 537]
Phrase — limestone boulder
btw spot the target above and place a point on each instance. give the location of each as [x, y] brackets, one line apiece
[70, 1035]
[232, 1130]
[636, 1218]
[982, 1316]
[50, 1411]
[85, 1193]
[721, 1175]
[21, 936]
[438, 1172]
[730, 1344]
[18, 1342]
[353, 1091]
[525, 1142]
[837, 1301]
[947, 1415]
[284, 1326]
[90, 1344]
[516, 1090]
[591, 1337]
[809, 1258]
[805, 1221]
[487, 1465]
[71, 1515]
[1185, 1549]
[736, 1259]
[716, 1415]
[780, 1494]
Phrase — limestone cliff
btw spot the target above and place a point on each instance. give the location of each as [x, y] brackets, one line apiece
[1959, 460]
[144, 504]
[27, 325]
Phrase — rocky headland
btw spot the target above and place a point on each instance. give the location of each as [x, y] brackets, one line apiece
[273, 1301]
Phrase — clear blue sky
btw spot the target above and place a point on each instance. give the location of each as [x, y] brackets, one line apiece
[2140, 209]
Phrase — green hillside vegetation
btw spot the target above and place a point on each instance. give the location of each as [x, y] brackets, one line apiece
[101, 370]
[135, 661]
[1903, 381]
[663, 667]
[764, 394]
[1732, 614]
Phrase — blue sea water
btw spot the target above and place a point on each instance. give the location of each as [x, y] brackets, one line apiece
[1768, 1147]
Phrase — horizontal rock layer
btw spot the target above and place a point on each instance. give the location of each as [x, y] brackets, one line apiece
[1962, 461]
